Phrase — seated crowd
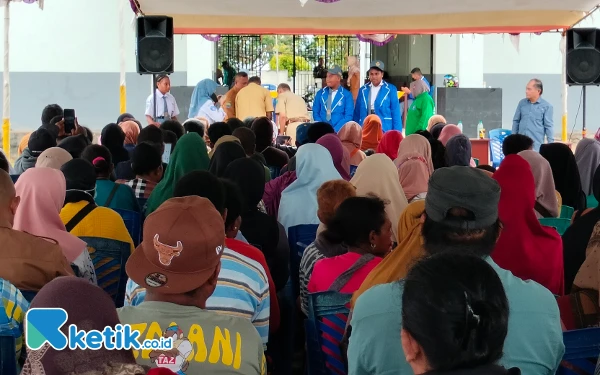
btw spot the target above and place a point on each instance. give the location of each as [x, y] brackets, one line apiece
[443, 267]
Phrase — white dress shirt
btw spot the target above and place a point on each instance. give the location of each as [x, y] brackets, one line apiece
[374, 92]
[172, 108]
[210, 112]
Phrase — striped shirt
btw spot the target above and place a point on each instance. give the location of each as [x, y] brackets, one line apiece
[242, 290]
[310, 256]
[12, 314]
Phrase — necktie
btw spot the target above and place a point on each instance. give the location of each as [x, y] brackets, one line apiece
[166, 108]
[329, 100]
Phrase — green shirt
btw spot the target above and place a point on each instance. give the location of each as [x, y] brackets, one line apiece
[534, 342]
[205, 342]
[419, 113]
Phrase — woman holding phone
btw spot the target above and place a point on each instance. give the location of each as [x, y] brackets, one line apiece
[204, 102]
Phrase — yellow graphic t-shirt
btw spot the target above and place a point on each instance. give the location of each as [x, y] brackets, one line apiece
[204, 342]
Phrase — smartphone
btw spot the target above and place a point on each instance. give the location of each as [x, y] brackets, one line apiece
[283, 140]
[166, 156]
[69, 116]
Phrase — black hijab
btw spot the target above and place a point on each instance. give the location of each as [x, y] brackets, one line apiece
[260, 229]
[437, 129]
[74, 145]
[113, 138]
[225, 154]
[81, 181]
[577, 236]
[566, 174]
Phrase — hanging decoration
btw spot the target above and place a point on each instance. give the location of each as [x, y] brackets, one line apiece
[515, 40]
[211, 37]
[39, 2]
[376, 39]
[326, 1]
[135, 6]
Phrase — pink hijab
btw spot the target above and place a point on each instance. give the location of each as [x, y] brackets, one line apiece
[42, 192]
[448, 132]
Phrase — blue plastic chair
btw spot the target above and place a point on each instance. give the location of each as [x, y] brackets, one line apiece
[566, 212]
[582, 348]
[275, 171]
[109, 258]
[496, 139]
[353, 169]
[133, 222]
[299, 237]
[8, 359]
[327, 317]
[561, 225]
[14, 178]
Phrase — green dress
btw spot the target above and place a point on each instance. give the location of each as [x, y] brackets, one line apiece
[419, 113]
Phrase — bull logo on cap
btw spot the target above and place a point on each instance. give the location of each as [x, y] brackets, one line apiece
[166, 253]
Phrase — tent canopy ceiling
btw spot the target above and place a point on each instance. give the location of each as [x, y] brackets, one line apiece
[367, 16]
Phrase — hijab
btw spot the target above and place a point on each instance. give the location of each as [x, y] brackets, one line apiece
[189, 155]
[436, 130]
[314, 166]
[131, 130]
[545, 192]
[448, 132]
[74, 145]
[248, 174]
[395, 265]
[89, 308]
[415, 146]
[576, 238]
[565, 173]
[587, 156]
[389, 144]
[525, 247]
[113, 138]
[42, 192]
[333, 144]
[435, 120]
[202, 93]
[588, 276]
[377, 174]
[224, 155]
[372, 133]
[220, 141]
[458, 151]
[418, 87]
[54, 158]
[80, 177]
[351, 136]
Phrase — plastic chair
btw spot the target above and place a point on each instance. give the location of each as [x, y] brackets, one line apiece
[299, 237]
[476, 162]
[109, 258]
[561, 225]
[133, 222]
[28, 294]
[566, 212]
[582, 348]
[353, 169]
[496, 139]
[327, 317]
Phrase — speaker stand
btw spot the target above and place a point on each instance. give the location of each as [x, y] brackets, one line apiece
[584, 130]
[154, 94]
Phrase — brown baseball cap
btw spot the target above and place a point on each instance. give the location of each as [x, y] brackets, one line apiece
[182, 246]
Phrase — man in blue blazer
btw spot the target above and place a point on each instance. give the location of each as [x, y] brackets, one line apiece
[333, 104]
[379, 98]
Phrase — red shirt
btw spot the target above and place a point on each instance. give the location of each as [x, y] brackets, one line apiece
[327, 270]
[256, 255]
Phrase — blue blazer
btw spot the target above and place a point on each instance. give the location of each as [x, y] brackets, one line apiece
[342, 107]
[387, 106]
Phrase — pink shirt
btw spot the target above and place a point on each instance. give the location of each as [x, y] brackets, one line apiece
[328, 269]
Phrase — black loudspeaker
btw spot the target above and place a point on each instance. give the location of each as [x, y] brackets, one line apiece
[155, 50]
[583, 56]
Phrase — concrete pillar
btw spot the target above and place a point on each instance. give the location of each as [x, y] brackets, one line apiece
[470, 60]
[200, 59]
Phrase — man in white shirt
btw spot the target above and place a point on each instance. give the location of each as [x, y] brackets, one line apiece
[166, 106]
